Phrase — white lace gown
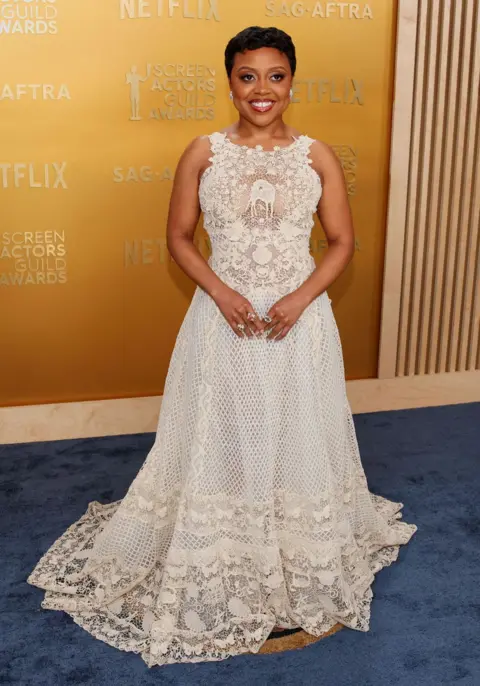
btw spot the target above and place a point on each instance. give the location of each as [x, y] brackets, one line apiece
[252, 508]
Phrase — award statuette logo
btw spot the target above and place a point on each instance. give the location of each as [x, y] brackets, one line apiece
[133, 79]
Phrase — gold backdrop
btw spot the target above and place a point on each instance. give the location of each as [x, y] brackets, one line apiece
[97, 102]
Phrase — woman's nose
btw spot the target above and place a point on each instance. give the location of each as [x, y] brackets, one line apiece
[263, 86]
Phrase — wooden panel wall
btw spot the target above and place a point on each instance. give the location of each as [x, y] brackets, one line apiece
[431, 305]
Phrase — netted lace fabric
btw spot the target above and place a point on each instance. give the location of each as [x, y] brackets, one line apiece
[252, 508]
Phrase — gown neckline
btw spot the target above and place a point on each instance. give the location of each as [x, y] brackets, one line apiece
[260, 148]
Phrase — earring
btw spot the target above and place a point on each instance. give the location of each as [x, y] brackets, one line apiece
[291, 93]
[231, 95]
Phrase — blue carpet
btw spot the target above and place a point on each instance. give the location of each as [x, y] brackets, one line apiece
[425, 628]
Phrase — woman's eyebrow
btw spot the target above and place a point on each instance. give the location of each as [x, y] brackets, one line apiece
[245, 66]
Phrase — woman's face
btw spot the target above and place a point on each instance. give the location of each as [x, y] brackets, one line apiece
[260, 82]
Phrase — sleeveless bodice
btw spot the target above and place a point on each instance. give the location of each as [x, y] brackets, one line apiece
[258, 208]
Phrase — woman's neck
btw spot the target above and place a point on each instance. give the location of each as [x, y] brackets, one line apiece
[245, 131]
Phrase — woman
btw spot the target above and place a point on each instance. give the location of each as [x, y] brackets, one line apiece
[252, 511]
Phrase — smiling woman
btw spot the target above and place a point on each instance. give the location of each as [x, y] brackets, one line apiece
[252, 511]
[260, 84]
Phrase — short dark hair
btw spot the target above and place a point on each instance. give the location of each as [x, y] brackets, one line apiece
[256, 37]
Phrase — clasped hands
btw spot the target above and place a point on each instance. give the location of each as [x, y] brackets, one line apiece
[244, 321]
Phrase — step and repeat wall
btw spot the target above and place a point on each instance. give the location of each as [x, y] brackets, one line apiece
[97, 102]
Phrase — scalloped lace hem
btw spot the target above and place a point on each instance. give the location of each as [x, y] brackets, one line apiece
[295, 588]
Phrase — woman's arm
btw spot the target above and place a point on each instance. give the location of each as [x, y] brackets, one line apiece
[334, 213]
[183, 216]
[336, 219]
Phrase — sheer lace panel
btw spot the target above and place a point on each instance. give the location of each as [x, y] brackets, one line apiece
[258, 210]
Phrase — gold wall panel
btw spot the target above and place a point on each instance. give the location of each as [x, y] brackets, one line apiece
[97, 102]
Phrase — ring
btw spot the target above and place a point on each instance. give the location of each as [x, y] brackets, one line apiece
[251, 316]
[267, 319]
[241, 326]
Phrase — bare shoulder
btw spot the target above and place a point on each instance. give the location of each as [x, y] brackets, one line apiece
[324, 159]
[197, 149]
[195, 158]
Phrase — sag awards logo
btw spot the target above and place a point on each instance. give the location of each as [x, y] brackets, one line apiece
[319, 10]
[34, 91]
[187, 9]
[28, 17]
[144, 174]
[175, 92]
[33, 258]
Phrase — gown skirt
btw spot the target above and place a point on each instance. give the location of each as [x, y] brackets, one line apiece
[251, 509]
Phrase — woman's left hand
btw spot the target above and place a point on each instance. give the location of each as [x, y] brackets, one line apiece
[284, 314]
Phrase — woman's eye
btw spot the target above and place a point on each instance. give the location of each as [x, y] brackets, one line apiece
[247, 77]
[278, 77]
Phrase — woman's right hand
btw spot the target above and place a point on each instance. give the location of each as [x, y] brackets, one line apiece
[236, 310]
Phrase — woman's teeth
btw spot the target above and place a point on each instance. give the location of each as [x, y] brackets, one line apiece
[262, 105]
